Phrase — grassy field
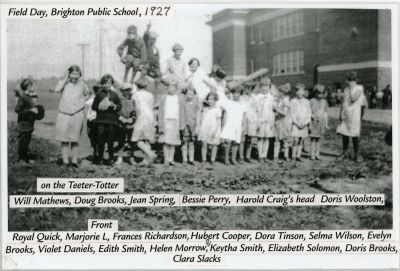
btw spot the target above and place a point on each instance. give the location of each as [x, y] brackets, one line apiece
[373, 175]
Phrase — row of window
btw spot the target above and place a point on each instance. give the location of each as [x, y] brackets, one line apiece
[285, 63]
[288, 63]
[286, 26]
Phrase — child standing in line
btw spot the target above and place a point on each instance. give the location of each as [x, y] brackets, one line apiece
[266, 119]
[91, 122]
[283, 122]
[217, 84]
[28, 111]
[351, 113]
[191, 111]
[250, 121]
[301, 117]
[127, 116]
[209, 127]
[107, 104]
[233, 118]
[319, 120]
[171, 121]
[144, 129]
[69, 124]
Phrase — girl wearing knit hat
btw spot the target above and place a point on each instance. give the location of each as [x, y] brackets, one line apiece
[319, 120]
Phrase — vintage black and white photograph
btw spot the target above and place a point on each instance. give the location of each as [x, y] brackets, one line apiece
[216, 100]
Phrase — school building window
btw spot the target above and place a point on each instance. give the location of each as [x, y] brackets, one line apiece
[288, 63]
[252, 35]
[287, 26]
[260, 34]
[252, 66]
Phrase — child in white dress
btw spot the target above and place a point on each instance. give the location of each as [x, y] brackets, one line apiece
[144, 130]
[265, 118]
[171, 121]
[301, 117]
[209, 127]
[249, 134]
[351, 113]
[233, 117]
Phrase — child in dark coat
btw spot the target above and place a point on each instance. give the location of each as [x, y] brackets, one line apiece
[28, 112]
[107, 104]
[136, 54]
[127, 117]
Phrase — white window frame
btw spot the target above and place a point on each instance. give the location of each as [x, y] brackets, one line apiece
[291, 25]
[252, 36]
[287, 59]
[260, 34]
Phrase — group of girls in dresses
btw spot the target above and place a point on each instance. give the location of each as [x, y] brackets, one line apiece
[243, 121]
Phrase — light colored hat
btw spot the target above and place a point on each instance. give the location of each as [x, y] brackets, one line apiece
[176, 47]
[319, 88]
[266, 81]
[153, 35]
[141, 83]
[300, 86]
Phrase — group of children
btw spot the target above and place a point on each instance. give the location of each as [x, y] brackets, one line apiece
[193, 108]
[239, 119]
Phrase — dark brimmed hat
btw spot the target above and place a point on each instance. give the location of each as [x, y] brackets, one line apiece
[131, 28]
[126, 87]
[220, 73]
[97, 87]
[352, 76]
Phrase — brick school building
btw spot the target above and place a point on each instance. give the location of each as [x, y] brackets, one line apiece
[305, 45]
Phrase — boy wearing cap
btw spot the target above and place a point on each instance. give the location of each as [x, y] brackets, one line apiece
[127, 116]
[28, 111]
[136, 55]
[175, 65]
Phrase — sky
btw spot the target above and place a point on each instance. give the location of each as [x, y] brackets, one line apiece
[45, 48]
